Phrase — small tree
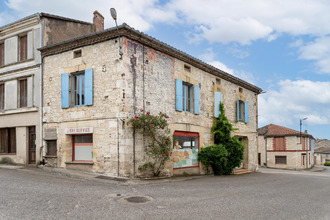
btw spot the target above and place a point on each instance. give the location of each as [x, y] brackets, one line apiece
[227, 153]
[155, 129]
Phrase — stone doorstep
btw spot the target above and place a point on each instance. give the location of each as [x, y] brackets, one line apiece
[83, 166]
[241, 171]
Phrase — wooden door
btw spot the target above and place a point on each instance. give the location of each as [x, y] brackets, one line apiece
[32, 145]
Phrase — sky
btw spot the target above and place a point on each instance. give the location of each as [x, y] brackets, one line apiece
[281, 46]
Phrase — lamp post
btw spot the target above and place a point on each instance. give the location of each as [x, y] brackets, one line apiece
[305, 143]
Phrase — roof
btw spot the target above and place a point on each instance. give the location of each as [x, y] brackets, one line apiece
[42, 14]
[323, 150]
[276, 130]
[131, 33]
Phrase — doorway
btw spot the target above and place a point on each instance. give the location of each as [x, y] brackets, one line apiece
[32, 145]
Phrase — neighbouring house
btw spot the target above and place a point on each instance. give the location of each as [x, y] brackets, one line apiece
[281, 147]
[94, 83]
[322, 151]
[20, 80]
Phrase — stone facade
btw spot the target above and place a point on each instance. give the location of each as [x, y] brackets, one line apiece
[20, 115]
[295, 149]
[144, 77]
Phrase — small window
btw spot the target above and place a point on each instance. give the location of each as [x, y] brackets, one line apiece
[218, 81]
[77, 54]
[51, 148]
[240, 90]
[23, 47]
[22, 93]
[7, 140]
[280, 159]
[2, 96]
[78, 96]
[241, 111]
[2, 54]
[187, 68]
[187, 97]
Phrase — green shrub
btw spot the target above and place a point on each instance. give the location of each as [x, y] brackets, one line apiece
[327, 164]
[7, 160]
[227, 152]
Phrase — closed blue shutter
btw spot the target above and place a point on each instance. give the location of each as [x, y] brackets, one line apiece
[178, 95]
[65, 87]
[89, 86]
[238, 119]
[217, 100]
[196, 99]
[246, 117]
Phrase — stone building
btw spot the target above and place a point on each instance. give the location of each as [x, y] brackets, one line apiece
[20, 81]
[94, 83]
[281, 147]
[322, 151]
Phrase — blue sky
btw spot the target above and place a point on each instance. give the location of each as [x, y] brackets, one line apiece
[280, 46]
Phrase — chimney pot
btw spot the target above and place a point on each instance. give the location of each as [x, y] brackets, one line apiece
[98, 21]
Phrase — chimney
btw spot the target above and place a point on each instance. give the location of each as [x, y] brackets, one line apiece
[305, 131]
[98, 21]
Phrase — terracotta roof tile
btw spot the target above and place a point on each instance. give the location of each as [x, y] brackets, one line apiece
[272, 129]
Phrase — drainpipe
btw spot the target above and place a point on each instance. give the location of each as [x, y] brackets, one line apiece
[266, 150]
[40, 92]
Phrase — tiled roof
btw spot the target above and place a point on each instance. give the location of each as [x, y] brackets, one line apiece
[274, 130]
[325, 150]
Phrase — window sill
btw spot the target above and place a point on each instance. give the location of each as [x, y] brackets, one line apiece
[18, 111]
[7, 154]
[50, 156]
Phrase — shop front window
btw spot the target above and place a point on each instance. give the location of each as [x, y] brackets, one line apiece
[185, 149]
[83, 148]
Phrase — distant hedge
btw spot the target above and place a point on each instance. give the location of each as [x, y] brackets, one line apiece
[327, 164]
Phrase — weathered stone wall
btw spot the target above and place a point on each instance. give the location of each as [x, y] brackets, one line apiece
[145, 79]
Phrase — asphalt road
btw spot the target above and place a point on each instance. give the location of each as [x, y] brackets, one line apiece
[273, 194]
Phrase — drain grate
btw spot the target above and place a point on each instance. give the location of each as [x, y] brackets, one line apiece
[137, 199]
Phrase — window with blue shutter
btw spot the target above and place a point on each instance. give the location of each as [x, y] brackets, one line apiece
[89, 86]
[217, 101]
[196, 99]
[178, 95]
[65, 90]
[246, 113]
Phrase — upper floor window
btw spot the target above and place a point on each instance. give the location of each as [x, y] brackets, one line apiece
[23, 47]
[2, 96]
[187, 68]
[77, 89]
[22, 93]
[217, 101]
[2, 54]
[279, 143]
[186, 97]
[242, 111]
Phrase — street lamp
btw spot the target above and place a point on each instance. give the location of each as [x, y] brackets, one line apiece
[305, 144]
[113, 14]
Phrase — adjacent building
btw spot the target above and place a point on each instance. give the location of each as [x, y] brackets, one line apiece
[94, 83]
[281, 147]
[21, 80]
[322, 151]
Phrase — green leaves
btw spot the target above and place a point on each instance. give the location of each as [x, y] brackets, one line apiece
[157, 135]
[227, 153]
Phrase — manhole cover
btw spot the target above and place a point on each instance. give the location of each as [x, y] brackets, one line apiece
[137, 199]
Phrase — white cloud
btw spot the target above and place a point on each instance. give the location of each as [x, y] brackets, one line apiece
[294, 100]
[318, 51]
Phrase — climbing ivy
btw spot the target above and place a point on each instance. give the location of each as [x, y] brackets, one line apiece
[227, 151]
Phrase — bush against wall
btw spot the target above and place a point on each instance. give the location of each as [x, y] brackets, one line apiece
[327, 164]
[227, 152]
[157, 136]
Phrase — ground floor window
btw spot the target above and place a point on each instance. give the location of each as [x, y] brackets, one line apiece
[51, 148]
[185, 149]
[82, 148]
[7, 140]
[280, 159]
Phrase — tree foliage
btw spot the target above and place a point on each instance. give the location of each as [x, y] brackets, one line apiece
[157, 135]
[227, 152]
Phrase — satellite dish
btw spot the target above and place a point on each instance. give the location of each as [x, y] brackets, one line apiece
[113, 13]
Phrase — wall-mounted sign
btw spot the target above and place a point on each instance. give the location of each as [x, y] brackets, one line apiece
[83, 130]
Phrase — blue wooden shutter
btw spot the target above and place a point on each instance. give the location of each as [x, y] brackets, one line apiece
[246, 116]
[89, 86]
[196, 99]
[65, 88]
[178, 95]
[217, 100]
[238, 119]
